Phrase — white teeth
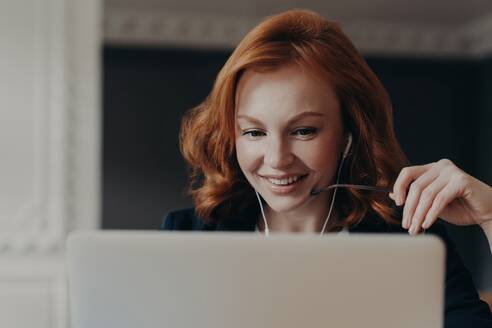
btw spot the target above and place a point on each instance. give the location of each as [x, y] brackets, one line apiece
[284, 182]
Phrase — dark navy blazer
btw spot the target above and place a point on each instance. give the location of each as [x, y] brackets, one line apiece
[463, 308]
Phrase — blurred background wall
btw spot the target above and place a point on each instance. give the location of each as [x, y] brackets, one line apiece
[161, 58]
[92, 93]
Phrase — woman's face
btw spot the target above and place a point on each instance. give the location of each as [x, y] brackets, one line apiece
[289, 134]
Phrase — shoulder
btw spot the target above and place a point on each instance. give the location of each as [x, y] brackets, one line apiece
[184, 219]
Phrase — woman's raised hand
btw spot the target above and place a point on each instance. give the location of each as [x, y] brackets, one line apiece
[442, 190]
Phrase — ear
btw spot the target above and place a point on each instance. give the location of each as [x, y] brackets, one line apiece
[347, 147]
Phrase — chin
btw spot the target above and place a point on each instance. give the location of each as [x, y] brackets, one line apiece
[284, 204]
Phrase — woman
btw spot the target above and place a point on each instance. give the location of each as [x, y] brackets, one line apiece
[295, 109]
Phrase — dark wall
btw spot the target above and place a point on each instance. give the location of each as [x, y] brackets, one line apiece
[484, 159]
[145, 94]
[484, 122]
[439, 108]
[434, 103]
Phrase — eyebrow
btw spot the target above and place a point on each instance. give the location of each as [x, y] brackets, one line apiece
[293, 119]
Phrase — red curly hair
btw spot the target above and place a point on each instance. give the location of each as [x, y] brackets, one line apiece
[301, 37]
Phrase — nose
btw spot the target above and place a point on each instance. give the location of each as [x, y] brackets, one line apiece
[278, 154]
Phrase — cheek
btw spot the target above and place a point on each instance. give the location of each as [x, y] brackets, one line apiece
[248, 156]
[321, 157]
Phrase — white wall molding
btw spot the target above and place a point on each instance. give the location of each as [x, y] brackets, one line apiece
[161, 28]
[133, 26]
[50, 130]
[51, 125]
[33, 168]
[33, 293]
[479, 36]
[49, 148]
[84, 43]
[388, 38]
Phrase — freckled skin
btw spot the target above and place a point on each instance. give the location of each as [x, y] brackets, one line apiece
[278, 147]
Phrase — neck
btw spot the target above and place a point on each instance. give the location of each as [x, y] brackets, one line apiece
[308, 218]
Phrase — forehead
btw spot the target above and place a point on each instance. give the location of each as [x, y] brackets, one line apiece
[285, 91]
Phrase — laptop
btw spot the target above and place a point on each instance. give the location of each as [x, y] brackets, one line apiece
[129, 279]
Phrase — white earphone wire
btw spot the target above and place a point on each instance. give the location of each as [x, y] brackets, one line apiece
[267, 231]
[345, 154]
[333, 198]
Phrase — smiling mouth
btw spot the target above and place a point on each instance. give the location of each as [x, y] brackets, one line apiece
[285, 182]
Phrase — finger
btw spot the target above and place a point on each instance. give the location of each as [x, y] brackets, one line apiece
[406, 176]
[425, 202]
[414, 193]
[442, 199]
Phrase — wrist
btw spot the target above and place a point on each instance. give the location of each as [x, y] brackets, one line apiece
[484, 196]
[486, 226]
[487, 229]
